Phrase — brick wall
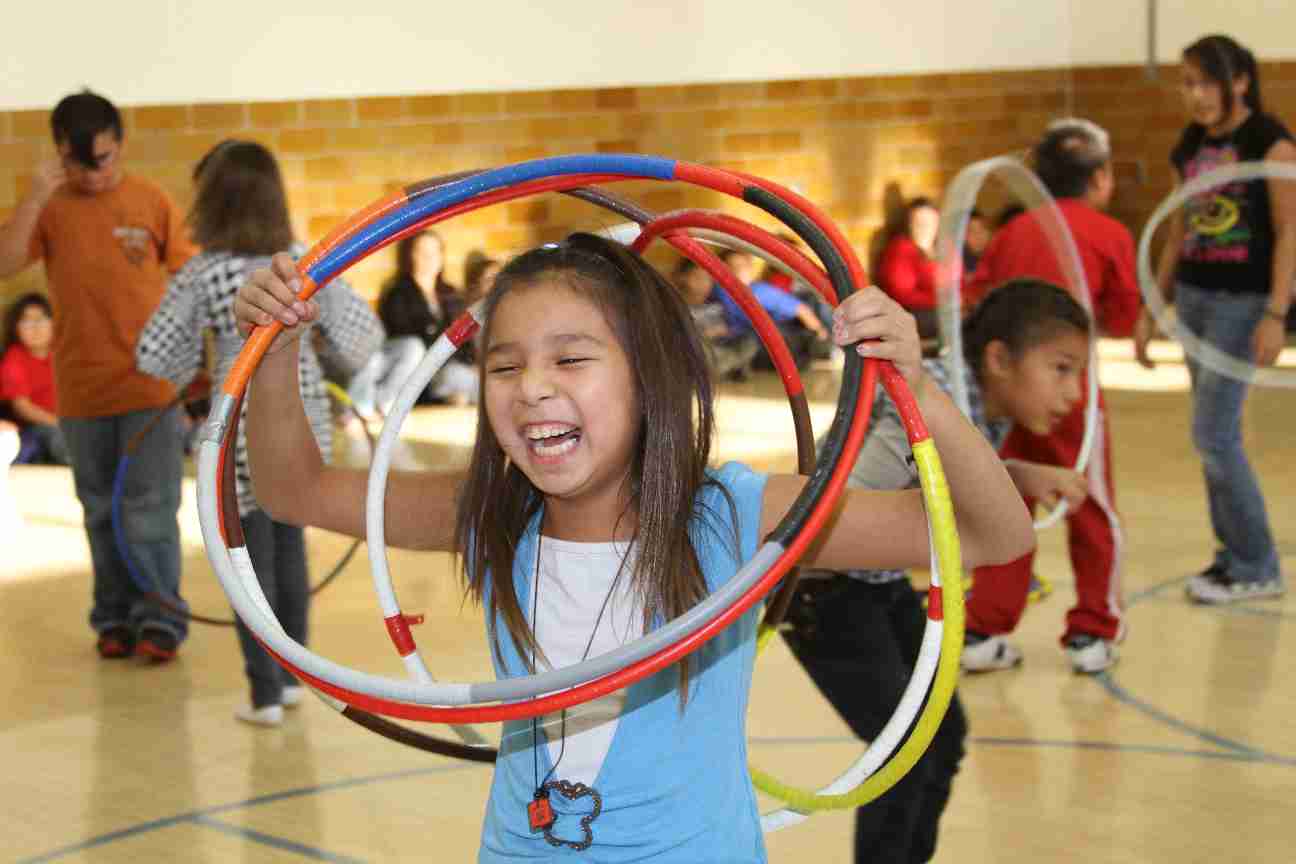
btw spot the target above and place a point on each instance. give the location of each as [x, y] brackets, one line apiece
[850, 145]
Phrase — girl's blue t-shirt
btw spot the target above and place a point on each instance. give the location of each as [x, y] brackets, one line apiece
[675, 783]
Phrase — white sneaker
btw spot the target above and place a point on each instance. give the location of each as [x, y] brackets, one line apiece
[270, 715]
[991, 653]
[292, 695]
[1217, 588]
[1090, 655]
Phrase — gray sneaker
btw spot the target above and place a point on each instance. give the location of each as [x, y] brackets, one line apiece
[990, 654]
[1214, 587]
[1090, 654]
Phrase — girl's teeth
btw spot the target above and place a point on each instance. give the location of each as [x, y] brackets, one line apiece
[543, 449]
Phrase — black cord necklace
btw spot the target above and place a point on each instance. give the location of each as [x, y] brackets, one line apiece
[540, 811]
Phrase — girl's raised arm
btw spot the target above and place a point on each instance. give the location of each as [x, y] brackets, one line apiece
[888, 530]
[289, 477]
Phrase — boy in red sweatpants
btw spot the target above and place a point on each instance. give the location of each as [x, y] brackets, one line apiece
[1074, 162]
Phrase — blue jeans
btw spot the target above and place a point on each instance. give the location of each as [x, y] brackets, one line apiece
[1237, 506]
[41, 444]
[150, 501]
[278, 554]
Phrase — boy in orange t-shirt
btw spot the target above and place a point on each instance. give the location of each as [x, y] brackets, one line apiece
[109, 240]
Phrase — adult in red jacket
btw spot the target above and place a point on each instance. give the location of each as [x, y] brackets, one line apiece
[907, 270]
[1074, 162]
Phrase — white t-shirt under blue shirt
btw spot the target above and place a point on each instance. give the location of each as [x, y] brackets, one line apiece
[674, 783]
[571, 623]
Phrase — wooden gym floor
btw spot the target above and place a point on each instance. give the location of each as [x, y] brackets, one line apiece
[1185, 752]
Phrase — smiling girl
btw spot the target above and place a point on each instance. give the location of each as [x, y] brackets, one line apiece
[590, 514]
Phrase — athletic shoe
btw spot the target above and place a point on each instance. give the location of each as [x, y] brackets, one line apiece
[156, 644]
[116, 643]
[1219, 587]
[989, 653]
[270, 715]
[1195, 581]
[292, 695]
[1091, 654]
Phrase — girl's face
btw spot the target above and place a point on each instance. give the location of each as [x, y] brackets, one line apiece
[924, 224]
[978, 236]
[1204, 96]
[35, 330]
[427, 260]
[1039, 388]
[560, 395]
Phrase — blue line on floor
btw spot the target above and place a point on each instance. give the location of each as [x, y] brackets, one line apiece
[1109, 683]
[280, 843]
[1122, 695]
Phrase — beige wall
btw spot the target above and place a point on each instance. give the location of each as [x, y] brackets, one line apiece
[184, 51]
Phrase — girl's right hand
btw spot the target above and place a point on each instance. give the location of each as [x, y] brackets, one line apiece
[269, 295]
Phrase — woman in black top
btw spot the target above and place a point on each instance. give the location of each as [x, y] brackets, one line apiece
[1229, 262]
[415, 306]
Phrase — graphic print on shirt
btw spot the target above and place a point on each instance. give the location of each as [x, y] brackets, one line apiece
[1219, 224]
[135, 242]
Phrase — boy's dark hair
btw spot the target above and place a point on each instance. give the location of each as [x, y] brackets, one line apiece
[1069, 155]
[78, 118]
[15, 312]
[1223, 60]
[1021, 313]
[241, 206]
[672, 386]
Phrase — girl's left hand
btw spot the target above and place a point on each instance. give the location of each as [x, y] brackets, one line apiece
[1267, 341]
[883, 329]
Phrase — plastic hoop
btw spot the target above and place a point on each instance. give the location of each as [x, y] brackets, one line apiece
[381, 224]
[346, 246]
[1194, 346]
[959, 203]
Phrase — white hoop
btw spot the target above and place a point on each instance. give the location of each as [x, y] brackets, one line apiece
[959, 203]
[1203, 352]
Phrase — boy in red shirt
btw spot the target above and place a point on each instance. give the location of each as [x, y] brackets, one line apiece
[109, 240]
[1074, 162]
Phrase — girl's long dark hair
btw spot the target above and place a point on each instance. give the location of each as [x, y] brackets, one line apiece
[1223, 60]
[241, 206]
[674, 393]
[1020, 313]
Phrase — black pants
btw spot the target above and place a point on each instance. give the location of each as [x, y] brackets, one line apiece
[859, 642]
[278, 554]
